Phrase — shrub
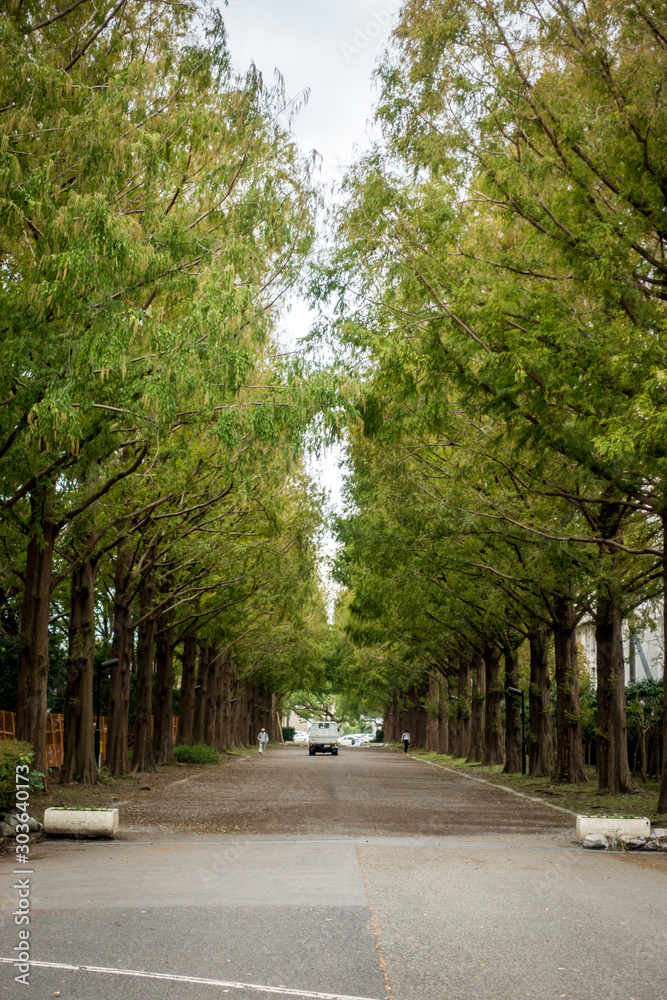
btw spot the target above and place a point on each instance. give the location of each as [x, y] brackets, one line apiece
[13, 752]
[288, 733]
[379, 736]
[197, 754]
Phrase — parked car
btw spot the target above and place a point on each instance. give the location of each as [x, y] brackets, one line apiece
[300, 737]
[346, 741]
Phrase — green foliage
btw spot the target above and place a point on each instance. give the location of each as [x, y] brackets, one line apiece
[498, 282]
[644, 703]
[13, 753]
[288, 733]
[154, 214]
[80, 808]
[197, 754]
[9, 668]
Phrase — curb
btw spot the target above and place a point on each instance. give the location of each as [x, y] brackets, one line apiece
[492, 784]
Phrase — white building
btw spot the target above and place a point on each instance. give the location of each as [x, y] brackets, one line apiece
[643, 653]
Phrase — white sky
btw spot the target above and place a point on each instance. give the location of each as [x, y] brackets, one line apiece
[332, 49]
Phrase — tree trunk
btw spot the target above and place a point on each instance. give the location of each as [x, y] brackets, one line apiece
[454, 718]
[493, 726]
[541, 741]
[235, 711]
[186, 708]
[390, 724]
[476, 749]
[433, 709]
[512, 715]
[443, 729]
[662, 798]
[200, 695]
[219, 731]
[142, 759]
[249, 731]
[276, 729]
[79, 762]
[612, 742]
[569, 747]
[463, 710]
[34, 629]
[227, 672]
[163, 725]
[118, 761]
[211, 702]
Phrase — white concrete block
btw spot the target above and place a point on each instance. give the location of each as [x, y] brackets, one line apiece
[610, 826]
[80, 822]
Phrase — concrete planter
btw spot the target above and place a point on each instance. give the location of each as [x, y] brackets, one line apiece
[610, 826]
[80, 822]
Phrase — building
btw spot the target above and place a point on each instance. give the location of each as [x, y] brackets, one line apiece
[643, 652]
[298, 724]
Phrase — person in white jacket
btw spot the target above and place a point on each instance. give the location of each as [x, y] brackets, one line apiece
[262, 739]
[406, 740]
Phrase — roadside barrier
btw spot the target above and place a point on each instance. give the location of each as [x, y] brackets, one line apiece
[55, 751]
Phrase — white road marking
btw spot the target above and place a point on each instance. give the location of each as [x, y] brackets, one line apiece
[282, 991]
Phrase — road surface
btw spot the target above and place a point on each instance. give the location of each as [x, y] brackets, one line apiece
[372, 875]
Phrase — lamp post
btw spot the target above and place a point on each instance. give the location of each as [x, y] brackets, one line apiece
[98, 732]
[512, 690]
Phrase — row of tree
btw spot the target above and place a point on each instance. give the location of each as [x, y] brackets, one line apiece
[153, 213]
[500, 276]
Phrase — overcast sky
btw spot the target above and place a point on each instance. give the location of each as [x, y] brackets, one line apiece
[331, 49]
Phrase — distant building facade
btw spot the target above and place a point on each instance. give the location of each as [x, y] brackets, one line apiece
[293, 720]
[643, 652]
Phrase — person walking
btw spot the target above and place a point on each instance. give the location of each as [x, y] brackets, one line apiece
[406, 740]
[262, 739]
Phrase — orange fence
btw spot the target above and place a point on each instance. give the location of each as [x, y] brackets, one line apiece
[55, 754]
[7, 725]
[54, 735]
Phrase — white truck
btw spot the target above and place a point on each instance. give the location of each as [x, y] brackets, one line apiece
[323, 738]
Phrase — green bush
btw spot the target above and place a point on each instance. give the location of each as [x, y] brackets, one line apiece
[13, 752]
[197, 754]
[288, 733]
[379, 735]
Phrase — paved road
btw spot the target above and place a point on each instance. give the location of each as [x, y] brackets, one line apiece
[371, 875]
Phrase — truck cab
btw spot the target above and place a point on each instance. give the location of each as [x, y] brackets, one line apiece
[323, 738]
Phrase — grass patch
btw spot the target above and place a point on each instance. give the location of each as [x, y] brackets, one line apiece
[579, 798]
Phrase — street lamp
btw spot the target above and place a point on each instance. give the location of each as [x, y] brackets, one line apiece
[98, 732]
[512, 690]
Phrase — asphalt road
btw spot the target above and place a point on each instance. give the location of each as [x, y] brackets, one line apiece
[370, 875]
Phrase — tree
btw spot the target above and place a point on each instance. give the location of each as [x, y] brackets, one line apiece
[146, 237]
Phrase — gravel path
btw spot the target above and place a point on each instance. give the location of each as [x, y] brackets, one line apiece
[362, 792]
